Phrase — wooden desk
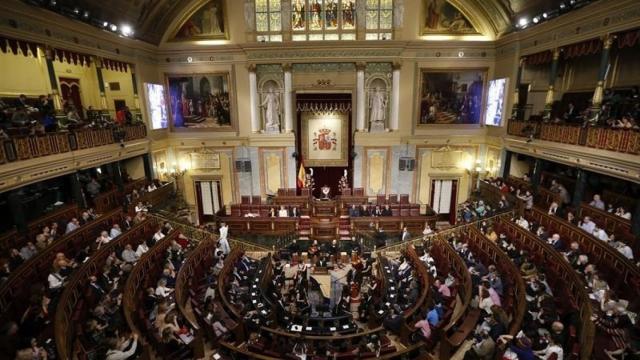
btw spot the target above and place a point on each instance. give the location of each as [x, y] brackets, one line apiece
[324, 208]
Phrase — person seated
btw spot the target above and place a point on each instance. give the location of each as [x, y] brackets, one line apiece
[128, 255]
[365, 211]
[522, 222]
[115, 231]
[621, 212]
[152, 186]
[294, 212]
[587, 225]
[313, 249]
[140, 207]
[354, 211]
[556, 242]
[600, 234]
[272, 212]
[72, 225]
[553, 208]
[377, 211]
[103, 239]
[597, 202]
[118, 351]
[387, 211]
[527, 197]
[162, 291]
[283, 212]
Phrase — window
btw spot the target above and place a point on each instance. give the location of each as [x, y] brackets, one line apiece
[313, 20]
[379, 21]
[268, 20]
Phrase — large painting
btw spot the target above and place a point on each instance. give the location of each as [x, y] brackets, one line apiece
[324, 139]
[200, 100]
[443, 18]
[451, 97]
[208, 22]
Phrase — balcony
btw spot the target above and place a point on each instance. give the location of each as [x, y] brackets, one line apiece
[26, 147]
[618, 140]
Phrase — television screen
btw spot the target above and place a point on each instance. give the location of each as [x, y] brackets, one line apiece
[496, 102]
[156, 105]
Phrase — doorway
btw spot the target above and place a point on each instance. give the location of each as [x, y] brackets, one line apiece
[70, 91]
[444, 194]
[209, 200]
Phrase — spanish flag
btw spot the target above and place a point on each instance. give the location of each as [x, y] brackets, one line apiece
[301, 174]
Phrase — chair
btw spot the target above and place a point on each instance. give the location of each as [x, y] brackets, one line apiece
[358, 191]
[404, 198]
[393, 198]
[381, 199]
[244, 199]
[256, 200]
[346, 192]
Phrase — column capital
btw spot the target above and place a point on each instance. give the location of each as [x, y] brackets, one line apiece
[556, 53]
[49, 53]
[522, 61]
[286, 67]
[361, 66]
[98, 62]
[607, 41]
[396, 65]
[251, 67]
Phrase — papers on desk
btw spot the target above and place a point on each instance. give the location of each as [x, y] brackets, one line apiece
[308, 328]
[332, 328]
[296, 328]
[388, 304]
[345, 326]
[217, 356]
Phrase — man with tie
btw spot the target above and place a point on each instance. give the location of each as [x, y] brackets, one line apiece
[405, 234]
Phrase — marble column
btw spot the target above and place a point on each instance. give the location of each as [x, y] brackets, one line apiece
[553, 74]
[103, 96]
[580, 188]
[53, 79]
[134, 82]
[15, 200]
[253, 99]
[602, 73]
[538, 166]
[360, 97]
[288, 107]
[148, 166]
[395, 96]
[517, 112]
[76, 190]
[506, 164]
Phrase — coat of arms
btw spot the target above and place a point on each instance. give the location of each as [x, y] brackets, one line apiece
[324, 139]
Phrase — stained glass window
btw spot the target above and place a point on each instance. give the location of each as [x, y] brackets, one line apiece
[312, 20]
[379, 19]
[268, 20]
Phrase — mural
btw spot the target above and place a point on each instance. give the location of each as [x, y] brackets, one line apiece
[200, 101]
[206, 23]
[443, 18]
[451, 97]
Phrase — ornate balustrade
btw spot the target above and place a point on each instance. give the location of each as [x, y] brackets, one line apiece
[618, 140]
[34, 146]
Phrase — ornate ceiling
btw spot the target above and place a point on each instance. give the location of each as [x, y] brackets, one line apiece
[151, 19]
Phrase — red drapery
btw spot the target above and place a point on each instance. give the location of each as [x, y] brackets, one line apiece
[628, 38]
[544, 57]
[585, 48]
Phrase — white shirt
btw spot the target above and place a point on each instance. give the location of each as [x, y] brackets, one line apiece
[103, 239]
[55, 281]
[224, 245]
[122, 355]
[70, 227]
[588, 226]
[114, 233]
[626, 251]
[626, 215]
[224, 231]
[283, 213]
[523, 223]
[162, 291]
[158, 236]
[142, 248]
[550, 350]
[140, 208]
[151, 187]
[601, 234]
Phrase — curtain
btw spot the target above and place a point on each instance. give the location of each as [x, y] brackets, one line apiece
[442, 190]
[210, 197]
[628, 39]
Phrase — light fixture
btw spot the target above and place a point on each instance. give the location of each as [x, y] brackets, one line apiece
[523, 22]
[85, 14]
[53, 3]
[126, 30]
[545, 15]
[76, 11]
[105, 24]
[536, 19]
[114, 27]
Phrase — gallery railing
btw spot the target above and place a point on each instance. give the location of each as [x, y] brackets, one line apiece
[618, 140]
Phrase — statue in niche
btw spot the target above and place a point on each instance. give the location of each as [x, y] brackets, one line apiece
[271, 105]
[378, 109]
[344, 182]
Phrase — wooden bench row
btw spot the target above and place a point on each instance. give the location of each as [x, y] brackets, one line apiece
[74, 305]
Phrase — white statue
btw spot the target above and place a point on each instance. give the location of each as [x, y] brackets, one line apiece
[378, 105]
[271, 104]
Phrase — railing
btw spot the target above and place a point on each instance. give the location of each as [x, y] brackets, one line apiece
[33, 146]
[13, 290]
[444, 234]
[193, 232]
[618, 140]
[74, 290]
[563, 276]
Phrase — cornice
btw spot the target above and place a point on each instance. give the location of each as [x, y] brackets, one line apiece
[623, 166]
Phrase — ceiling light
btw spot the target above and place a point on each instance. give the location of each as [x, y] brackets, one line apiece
[536, 19]
[53, 3]
[76, 11]
[523, 22]
[105, 24]
[85, 14]
[114, 27]
[545, 15]
[563, 6]
[126, 30]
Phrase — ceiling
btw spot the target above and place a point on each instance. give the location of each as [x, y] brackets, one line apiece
[151, 18]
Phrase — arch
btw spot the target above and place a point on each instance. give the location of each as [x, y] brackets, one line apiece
[211, 14]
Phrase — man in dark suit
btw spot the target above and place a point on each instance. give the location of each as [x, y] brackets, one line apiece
[386, 211]
[354, 211]
[294, 212]
[377, 211]
[365, 210]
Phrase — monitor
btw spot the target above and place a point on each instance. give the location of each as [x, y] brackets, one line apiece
[156, 105]
[496, 102]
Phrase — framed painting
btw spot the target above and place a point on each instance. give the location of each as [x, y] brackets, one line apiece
[208, 22]
[201, 101]
[451, 96]
[443, 18]
[325, 139]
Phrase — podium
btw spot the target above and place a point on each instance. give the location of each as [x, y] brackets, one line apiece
[324, 208]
